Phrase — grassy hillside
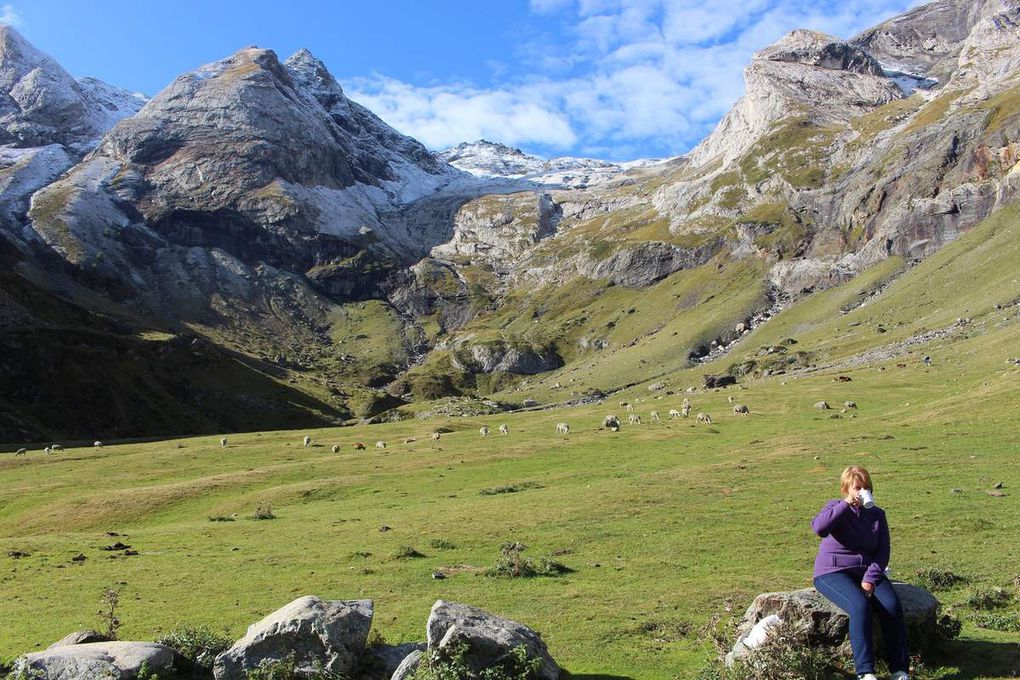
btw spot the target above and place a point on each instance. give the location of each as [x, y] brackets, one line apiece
[664, 525]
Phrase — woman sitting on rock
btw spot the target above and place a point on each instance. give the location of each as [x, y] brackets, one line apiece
[850, 571]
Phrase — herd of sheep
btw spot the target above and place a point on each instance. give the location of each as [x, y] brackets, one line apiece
[610, 422]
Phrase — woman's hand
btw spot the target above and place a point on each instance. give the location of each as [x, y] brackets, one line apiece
[868, 588]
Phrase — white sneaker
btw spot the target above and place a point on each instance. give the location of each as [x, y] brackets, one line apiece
[899, 675]
[867, 676]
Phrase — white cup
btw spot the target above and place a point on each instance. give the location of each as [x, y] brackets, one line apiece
[867, 500]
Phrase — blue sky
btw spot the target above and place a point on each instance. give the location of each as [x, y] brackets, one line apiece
[616, 79]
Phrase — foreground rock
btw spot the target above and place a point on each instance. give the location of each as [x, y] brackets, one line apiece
[813, 620]
[489, 639]
[80, 637]
[326, 634]
[107, 660]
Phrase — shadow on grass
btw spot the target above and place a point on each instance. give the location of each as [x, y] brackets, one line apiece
[970, 659]
[598, 676]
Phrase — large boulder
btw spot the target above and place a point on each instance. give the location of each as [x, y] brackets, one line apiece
[384, 660]
[813, 620]
[330, 634]
[489, 639]
[107, 660]
[80, 637]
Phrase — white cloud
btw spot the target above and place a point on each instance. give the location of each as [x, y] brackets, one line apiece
[640, 74]
[9, 15]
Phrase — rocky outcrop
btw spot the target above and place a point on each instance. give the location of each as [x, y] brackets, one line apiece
[811, 619]
[489, 638]
[330, 634]
[643, 264]
[501, 229]
[500, 355]
[114, 660]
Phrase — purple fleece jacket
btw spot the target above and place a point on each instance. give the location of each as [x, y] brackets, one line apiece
[853, 539]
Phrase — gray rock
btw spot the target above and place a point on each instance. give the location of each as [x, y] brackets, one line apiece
[509, 357]
[644, 264]
[80, 637]
[328, 633]
[96, 661]
[814, 620]
[489, 638]
[384, 660]
[408, 666]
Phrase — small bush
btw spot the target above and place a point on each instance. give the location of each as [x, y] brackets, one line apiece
[200, 644]
[109, 622]
[782, 657]
[992, 598]
[286, 669]
[441, 544]
[948, 627]
[448, 663]
[1005, 622]
[221, 518]
[936, 578]
[509, 488]
[406, 552]
[510, 564]
[263, 511]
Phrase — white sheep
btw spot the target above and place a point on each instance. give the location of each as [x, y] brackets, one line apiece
[223, 442]
[741, 409]
[46, 450]
[630, 408]
[380, 445]
[97, 444]
[705, 418]
[335, 448]
[503, 429]
[685, 409]
[634, 419]
[849, 404]
[484, 431]
[436, 435]
[562, 428]
[21, 452]
[654, 416]
[56, 447]
[673, 414]
[611, 422]
[410, 440]
[307, 441]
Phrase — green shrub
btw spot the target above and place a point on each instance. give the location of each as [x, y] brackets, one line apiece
[935, 578]
[286, 669]
[992, 598]
[441, 544]
[448, 663]
[1005, 622]
[509, 488]
[221, 518]
[199, 644]
[783, 657]
[510, 564]
[406, 552]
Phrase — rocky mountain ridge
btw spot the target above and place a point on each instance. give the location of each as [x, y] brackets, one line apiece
[252, 204]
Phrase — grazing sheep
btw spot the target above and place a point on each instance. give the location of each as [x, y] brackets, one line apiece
[634, 419]
[56, 447]
[46, 450]
[685, 410]
[307, 441]
[611, 423]
[335, 448]
[21, 452]
[843, 378]
[927, 360]
[704, 418]
[673, 414]
[630, 408]
[822, 405]
[849, 404]
[503, 429]
[654, 416]
[358, 446]
[730, 399]
[380, 445]
[484, 431]
[435, 435]
[223, 442]
[410, 440]
[741, 409]
[562, 428]
[97, 444]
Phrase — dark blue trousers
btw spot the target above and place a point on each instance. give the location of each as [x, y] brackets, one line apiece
[844, 590]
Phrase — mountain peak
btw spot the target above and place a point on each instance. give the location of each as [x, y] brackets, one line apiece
[814, 48]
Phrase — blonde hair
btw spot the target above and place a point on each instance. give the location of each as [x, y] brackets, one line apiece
[854, 473]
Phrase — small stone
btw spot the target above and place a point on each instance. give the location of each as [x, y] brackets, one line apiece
[956, 491]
